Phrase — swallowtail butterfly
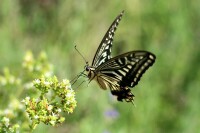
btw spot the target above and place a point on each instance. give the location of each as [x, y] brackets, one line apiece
[119, 73]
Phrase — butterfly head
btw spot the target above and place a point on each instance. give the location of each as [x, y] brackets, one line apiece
[87, 67]
[90, 70]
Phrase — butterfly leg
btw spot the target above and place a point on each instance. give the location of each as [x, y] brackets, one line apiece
[73, 81]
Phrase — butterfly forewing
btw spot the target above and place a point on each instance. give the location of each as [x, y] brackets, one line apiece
[103, 52]
[127, 68]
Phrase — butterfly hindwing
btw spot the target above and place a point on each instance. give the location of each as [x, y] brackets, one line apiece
[106, 81]
[103, 52]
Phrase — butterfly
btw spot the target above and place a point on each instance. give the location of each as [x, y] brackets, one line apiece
[119, 73]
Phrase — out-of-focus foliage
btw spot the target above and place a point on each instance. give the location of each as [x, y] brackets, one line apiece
[167, 97]
[15, 85]
[48, 99]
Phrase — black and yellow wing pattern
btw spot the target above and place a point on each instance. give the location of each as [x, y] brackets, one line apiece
[119, 73]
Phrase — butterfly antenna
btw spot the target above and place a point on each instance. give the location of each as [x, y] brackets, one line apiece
[81, 55]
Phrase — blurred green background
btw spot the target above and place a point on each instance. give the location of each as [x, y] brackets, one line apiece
[168, 95]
